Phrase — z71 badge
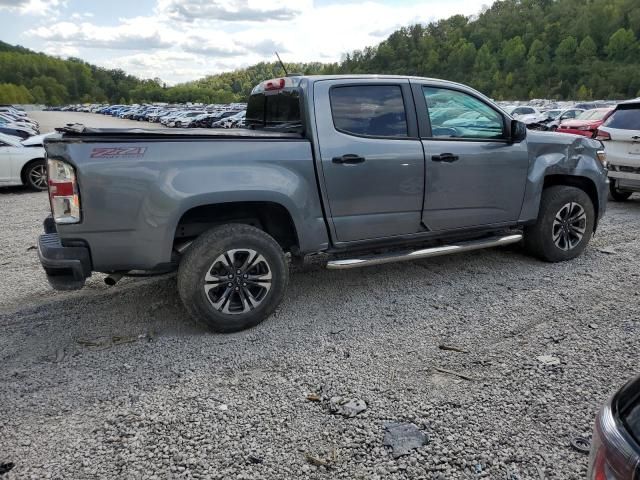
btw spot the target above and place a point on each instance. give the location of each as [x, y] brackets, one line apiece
[118, 152]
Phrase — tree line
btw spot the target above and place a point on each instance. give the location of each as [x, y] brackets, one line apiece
[516, 49]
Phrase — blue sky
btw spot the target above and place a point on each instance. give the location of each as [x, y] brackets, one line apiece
[181, 40]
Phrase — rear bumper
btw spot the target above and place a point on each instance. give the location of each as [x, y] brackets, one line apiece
[625, 177]
[67, 268]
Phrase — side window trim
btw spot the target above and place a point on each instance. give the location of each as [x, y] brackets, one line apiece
[424, 122]
[409, 110]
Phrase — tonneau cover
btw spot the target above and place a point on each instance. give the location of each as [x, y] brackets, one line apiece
[80, 131]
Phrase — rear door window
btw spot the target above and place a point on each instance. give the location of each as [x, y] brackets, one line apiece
[369, 110]
[625, 119]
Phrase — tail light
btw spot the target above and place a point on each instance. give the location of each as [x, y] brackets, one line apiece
[63, 192]
[602, 135]
[611, 458]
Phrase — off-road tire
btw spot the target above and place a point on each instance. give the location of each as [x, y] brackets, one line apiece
[34, 171]
[539, 238]
[618, 195]
[198, 262]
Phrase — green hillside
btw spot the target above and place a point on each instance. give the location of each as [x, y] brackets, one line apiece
[517, 49]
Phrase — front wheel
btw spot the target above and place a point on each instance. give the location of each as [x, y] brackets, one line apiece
[564, 226]
[35, 175]
[232, 277]
[616, 194]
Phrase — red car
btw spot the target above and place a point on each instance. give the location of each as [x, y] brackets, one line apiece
[586, 123]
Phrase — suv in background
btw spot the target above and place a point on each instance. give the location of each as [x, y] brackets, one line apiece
[621, 137]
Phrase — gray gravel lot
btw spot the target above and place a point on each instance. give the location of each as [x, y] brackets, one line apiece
[119, 383]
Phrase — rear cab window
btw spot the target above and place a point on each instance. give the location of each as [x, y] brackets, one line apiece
[276, 109]
[369, 110]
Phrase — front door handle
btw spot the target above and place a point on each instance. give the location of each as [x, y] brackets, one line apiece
[445, 157]
[349, 159]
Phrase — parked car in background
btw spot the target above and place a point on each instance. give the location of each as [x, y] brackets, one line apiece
[183, 119]
[30, 129]
[16, 131]
[226, 120]
[592, 105]
[586, 123]
[557, 116]
[19, 121]
[22, 165]
[615, 446]
[518, 111]
[620, 134]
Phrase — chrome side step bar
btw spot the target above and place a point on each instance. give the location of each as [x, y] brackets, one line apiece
[403, 256]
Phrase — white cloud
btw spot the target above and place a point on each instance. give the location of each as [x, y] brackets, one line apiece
[229, 10]
[81, 15]
[32, 7]
[61, 50]
[173, 67]
[187, 39]
[139, 33]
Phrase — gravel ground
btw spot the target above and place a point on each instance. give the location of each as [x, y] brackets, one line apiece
[119, 383]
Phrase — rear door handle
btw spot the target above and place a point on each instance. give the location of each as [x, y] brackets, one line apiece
[349, 159]
[445, 157]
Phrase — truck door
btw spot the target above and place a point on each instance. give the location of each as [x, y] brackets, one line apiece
[371, 157]
[474, 176]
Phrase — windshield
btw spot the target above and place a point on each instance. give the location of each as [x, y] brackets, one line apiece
[9, 140]
[597, 114]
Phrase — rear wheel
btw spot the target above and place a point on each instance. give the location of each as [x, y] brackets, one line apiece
[616, 194]
[35, 175]
[564, 226]
[232, 277]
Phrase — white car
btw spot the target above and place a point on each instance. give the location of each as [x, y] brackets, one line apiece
[28, 123]
[22, 165]
[620, 134]
[517, 111]
[184, 119]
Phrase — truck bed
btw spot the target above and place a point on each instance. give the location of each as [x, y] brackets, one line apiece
[80, 132]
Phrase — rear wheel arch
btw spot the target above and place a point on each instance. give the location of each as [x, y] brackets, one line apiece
[271, 217]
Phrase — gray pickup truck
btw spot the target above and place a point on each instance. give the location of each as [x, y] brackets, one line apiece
[362, 169]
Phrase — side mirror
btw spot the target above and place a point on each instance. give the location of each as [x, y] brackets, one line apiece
[518, 131]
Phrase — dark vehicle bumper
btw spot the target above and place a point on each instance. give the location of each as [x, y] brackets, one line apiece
[67, 267]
